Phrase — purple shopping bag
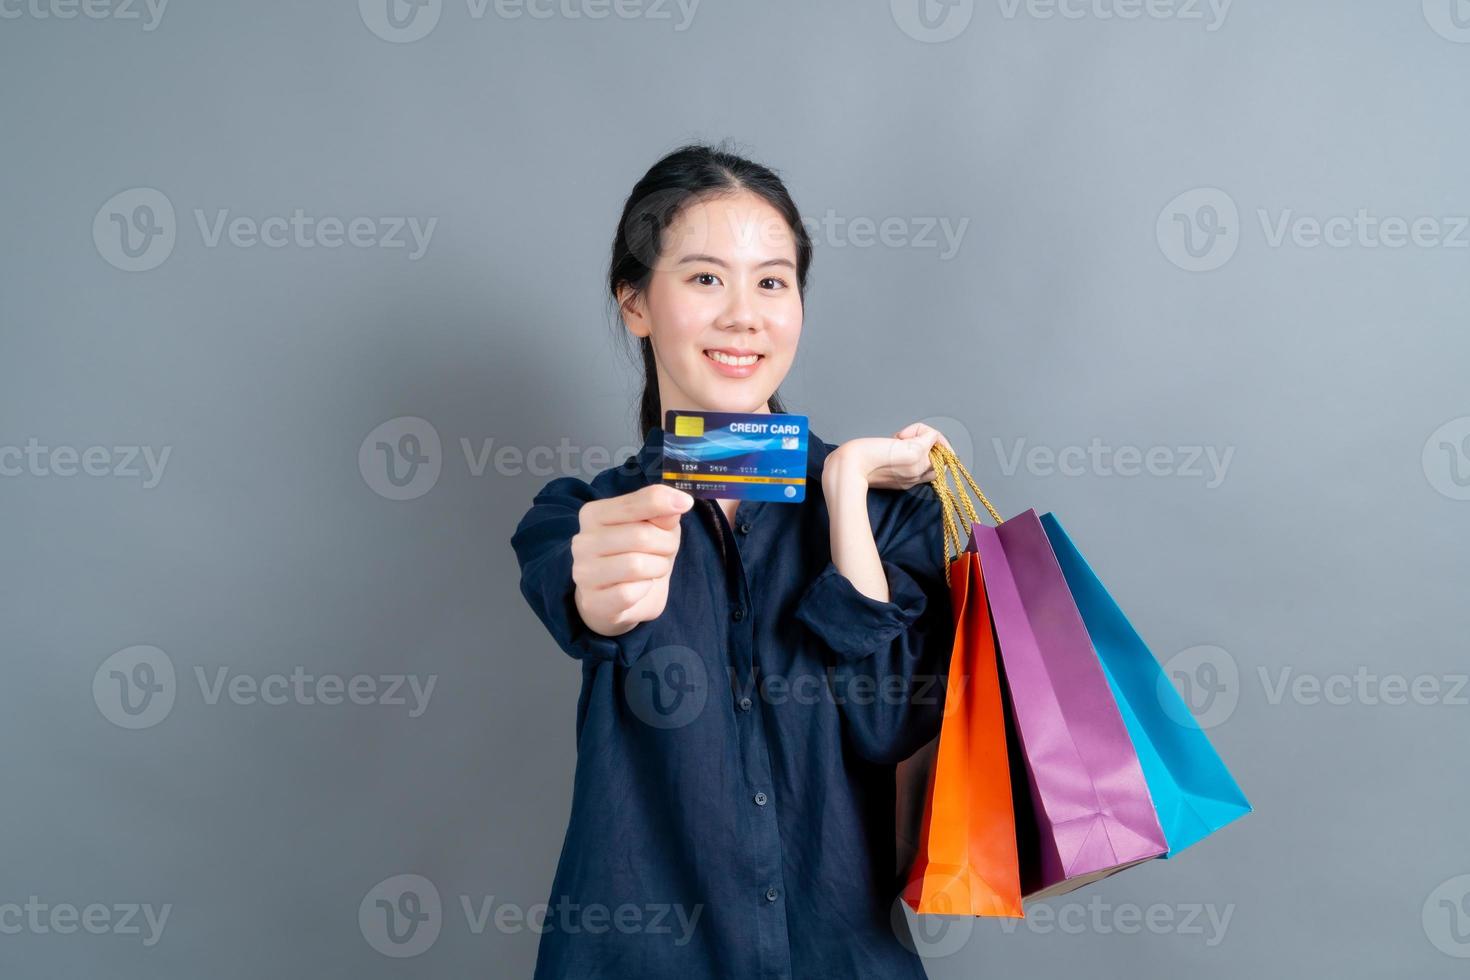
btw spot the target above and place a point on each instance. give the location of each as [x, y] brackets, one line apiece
[1091, 813]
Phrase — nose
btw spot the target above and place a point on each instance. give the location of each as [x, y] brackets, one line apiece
[739, 312]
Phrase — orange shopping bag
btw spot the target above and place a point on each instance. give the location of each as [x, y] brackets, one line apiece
[965, 861]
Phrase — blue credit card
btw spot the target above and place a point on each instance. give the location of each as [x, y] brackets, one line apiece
[760, 456]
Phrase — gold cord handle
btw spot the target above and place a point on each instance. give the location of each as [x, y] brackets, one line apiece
[953, 502]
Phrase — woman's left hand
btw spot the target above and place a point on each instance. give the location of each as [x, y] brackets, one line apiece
[887, 464]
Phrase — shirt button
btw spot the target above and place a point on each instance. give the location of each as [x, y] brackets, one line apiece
[760, 799]
[771, 894]
[738, 614]
[745, 527]
[745, 704]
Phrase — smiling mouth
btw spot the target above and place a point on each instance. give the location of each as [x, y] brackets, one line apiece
[732, 360]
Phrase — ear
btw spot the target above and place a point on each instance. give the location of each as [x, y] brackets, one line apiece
[635, 317]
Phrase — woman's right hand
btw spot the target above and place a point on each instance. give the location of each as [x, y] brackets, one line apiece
[623, 555]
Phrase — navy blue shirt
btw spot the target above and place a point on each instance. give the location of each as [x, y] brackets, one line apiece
[733, 803]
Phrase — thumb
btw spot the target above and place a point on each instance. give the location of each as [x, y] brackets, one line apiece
[922, 441]
[669, 522]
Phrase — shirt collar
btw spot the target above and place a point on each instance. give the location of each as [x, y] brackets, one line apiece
[649, 460]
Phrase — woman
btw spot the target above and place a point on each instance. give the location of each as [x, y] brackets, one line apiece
[751, 672]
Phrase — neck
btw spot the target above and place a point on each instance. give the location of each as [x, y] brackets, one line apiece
[667, 405]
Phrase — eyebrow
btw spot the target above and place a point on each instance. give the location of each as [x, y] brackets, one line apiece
[700, 257]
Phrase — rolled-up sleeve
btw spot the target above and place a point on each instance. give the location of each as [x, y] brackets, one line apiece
[856, 625]
[543, 545]
[890, 659]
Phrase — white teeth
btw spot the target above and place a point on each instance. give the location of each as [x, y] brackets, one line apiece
[736, 361]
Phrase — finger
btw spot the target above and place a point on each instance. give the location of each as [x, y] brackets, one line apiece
[649, 606]
[916, 448]
[904, 456]
[623, 569]
[621, 598]
[669, 522]
[916, 428]
[920, 443]
[640, 536]
[933, 436]
[923, 442]
[653, 501]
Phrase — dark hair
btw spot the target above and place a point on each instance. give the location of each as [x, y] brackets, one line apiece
[689, 174]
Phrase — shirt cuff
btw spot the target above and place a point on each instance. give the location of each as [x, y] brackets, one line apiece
[855, 625]
[551, 588]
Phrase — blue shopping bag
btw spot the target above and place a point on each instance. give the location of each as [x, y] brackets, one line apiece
[1193, 793]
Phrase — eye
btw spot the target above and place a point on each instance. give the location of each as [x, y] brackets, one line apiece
[779, 283]
[699, 277]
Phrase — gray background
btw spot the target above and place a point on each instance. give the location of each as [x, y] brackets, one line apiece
[1334, 544]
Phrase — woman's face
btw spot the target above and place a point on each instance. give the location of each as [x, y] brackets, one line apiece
[723, 289]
